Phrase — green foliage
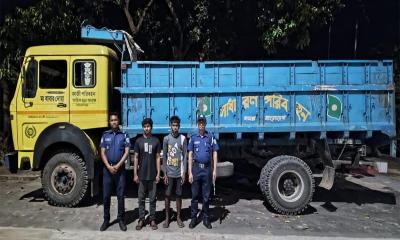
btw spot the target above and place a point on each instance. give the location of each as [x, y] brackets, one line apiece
[287, 22]
[189, 29]
[184, 29]
[47, 22]
[203, 29]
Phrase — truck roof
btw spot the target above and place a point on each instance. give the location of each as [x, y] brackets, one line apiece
[77, 50]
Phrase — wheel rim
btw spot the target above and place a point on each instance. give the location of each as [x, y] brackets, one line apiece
[290, 186]
[63, 179]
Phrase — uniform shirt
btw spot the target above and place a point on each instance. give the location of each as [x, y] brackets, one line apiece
[175, 155]
[114, 143]
[147, 148]
[203, 147]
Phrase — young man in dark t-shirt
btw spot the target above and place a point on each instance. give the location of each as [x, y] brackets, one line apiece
[146, 171]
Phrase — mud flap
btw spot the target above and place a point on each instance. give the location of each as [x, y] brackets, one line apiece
[393, 148]
[328, 176]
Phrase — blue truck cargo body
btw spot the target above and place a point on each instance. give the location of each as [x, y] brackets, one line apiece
[261, 96]
[266, 114]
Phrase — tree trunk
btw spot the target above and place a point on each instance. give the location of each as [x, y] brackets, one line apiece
[2, 115]
[135, 28]
[5, 123]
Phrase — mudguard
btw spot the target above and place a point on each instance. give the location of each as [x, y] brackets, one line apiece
[64, 133]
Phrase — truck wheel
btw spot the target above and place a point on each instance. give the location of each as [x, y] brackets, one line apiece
[224, 169]
[287, 184]
[65, 179]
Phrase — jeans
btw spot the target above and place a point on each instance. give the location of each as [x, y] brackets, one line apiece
[147, 186]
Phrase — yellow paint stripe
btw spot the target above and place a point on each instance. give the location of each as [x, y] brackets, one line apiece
[41, 112]
[62, 112]
[88, 111]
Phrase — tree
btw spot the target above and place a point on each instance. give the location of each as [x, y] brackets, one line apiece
[46, 22]
[287, 22]
[203, 29]
[181, 29]
[139, 13]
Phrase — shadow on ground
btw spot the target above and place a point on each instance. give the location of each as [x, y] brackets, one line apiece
[230, 191]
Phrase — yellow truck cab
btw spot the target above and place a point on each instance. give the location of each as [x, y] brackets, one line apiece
[58, 113]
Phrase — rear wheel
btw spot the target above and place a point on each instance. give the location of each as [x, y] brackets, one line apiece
[287, 184]
[65, 179]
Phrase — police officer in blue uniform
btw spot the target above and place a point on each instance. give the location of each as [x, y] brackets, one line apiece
[114, 150]
[202, 161]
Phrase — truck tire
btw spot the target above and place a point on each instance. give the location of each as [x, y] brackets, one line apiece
[224, 169]
[287, 184]
[65, 179]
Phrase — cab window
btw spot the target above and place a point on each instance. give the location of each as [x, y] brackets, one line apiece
[30, 83]
[53, 74]
[84, 73]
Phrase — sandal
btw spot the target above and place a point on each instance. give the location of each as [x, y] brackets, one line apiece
[140, 225]
[153, 225]
[180, 223]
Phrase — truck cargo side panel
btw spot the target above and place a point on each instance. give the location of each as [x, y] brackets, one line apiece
[261, 96]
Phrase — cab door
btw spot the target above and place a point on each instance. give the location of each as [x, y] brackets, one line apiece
[88, 95]
[44, 98]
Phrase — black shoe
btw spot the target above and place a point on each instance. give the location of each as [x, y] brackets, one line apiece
[104, 226]
[192, 223]
[122, 225]
[207, 224]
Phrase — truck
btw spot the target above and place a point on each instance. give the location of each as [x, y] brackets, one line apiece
[293, 120]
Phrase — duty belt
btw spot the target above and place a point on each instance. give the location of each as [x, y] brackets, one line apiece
[201, 165]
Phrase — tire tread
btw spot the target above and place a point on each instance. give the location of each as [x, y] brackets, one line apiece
[264, 183]
[83, 191]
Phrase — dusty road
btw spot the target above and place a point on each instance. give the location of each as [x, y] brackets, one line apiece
[367, 207]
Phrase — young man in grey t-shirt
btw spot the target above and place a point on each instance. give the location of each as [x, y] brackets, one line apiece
[175, 163]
